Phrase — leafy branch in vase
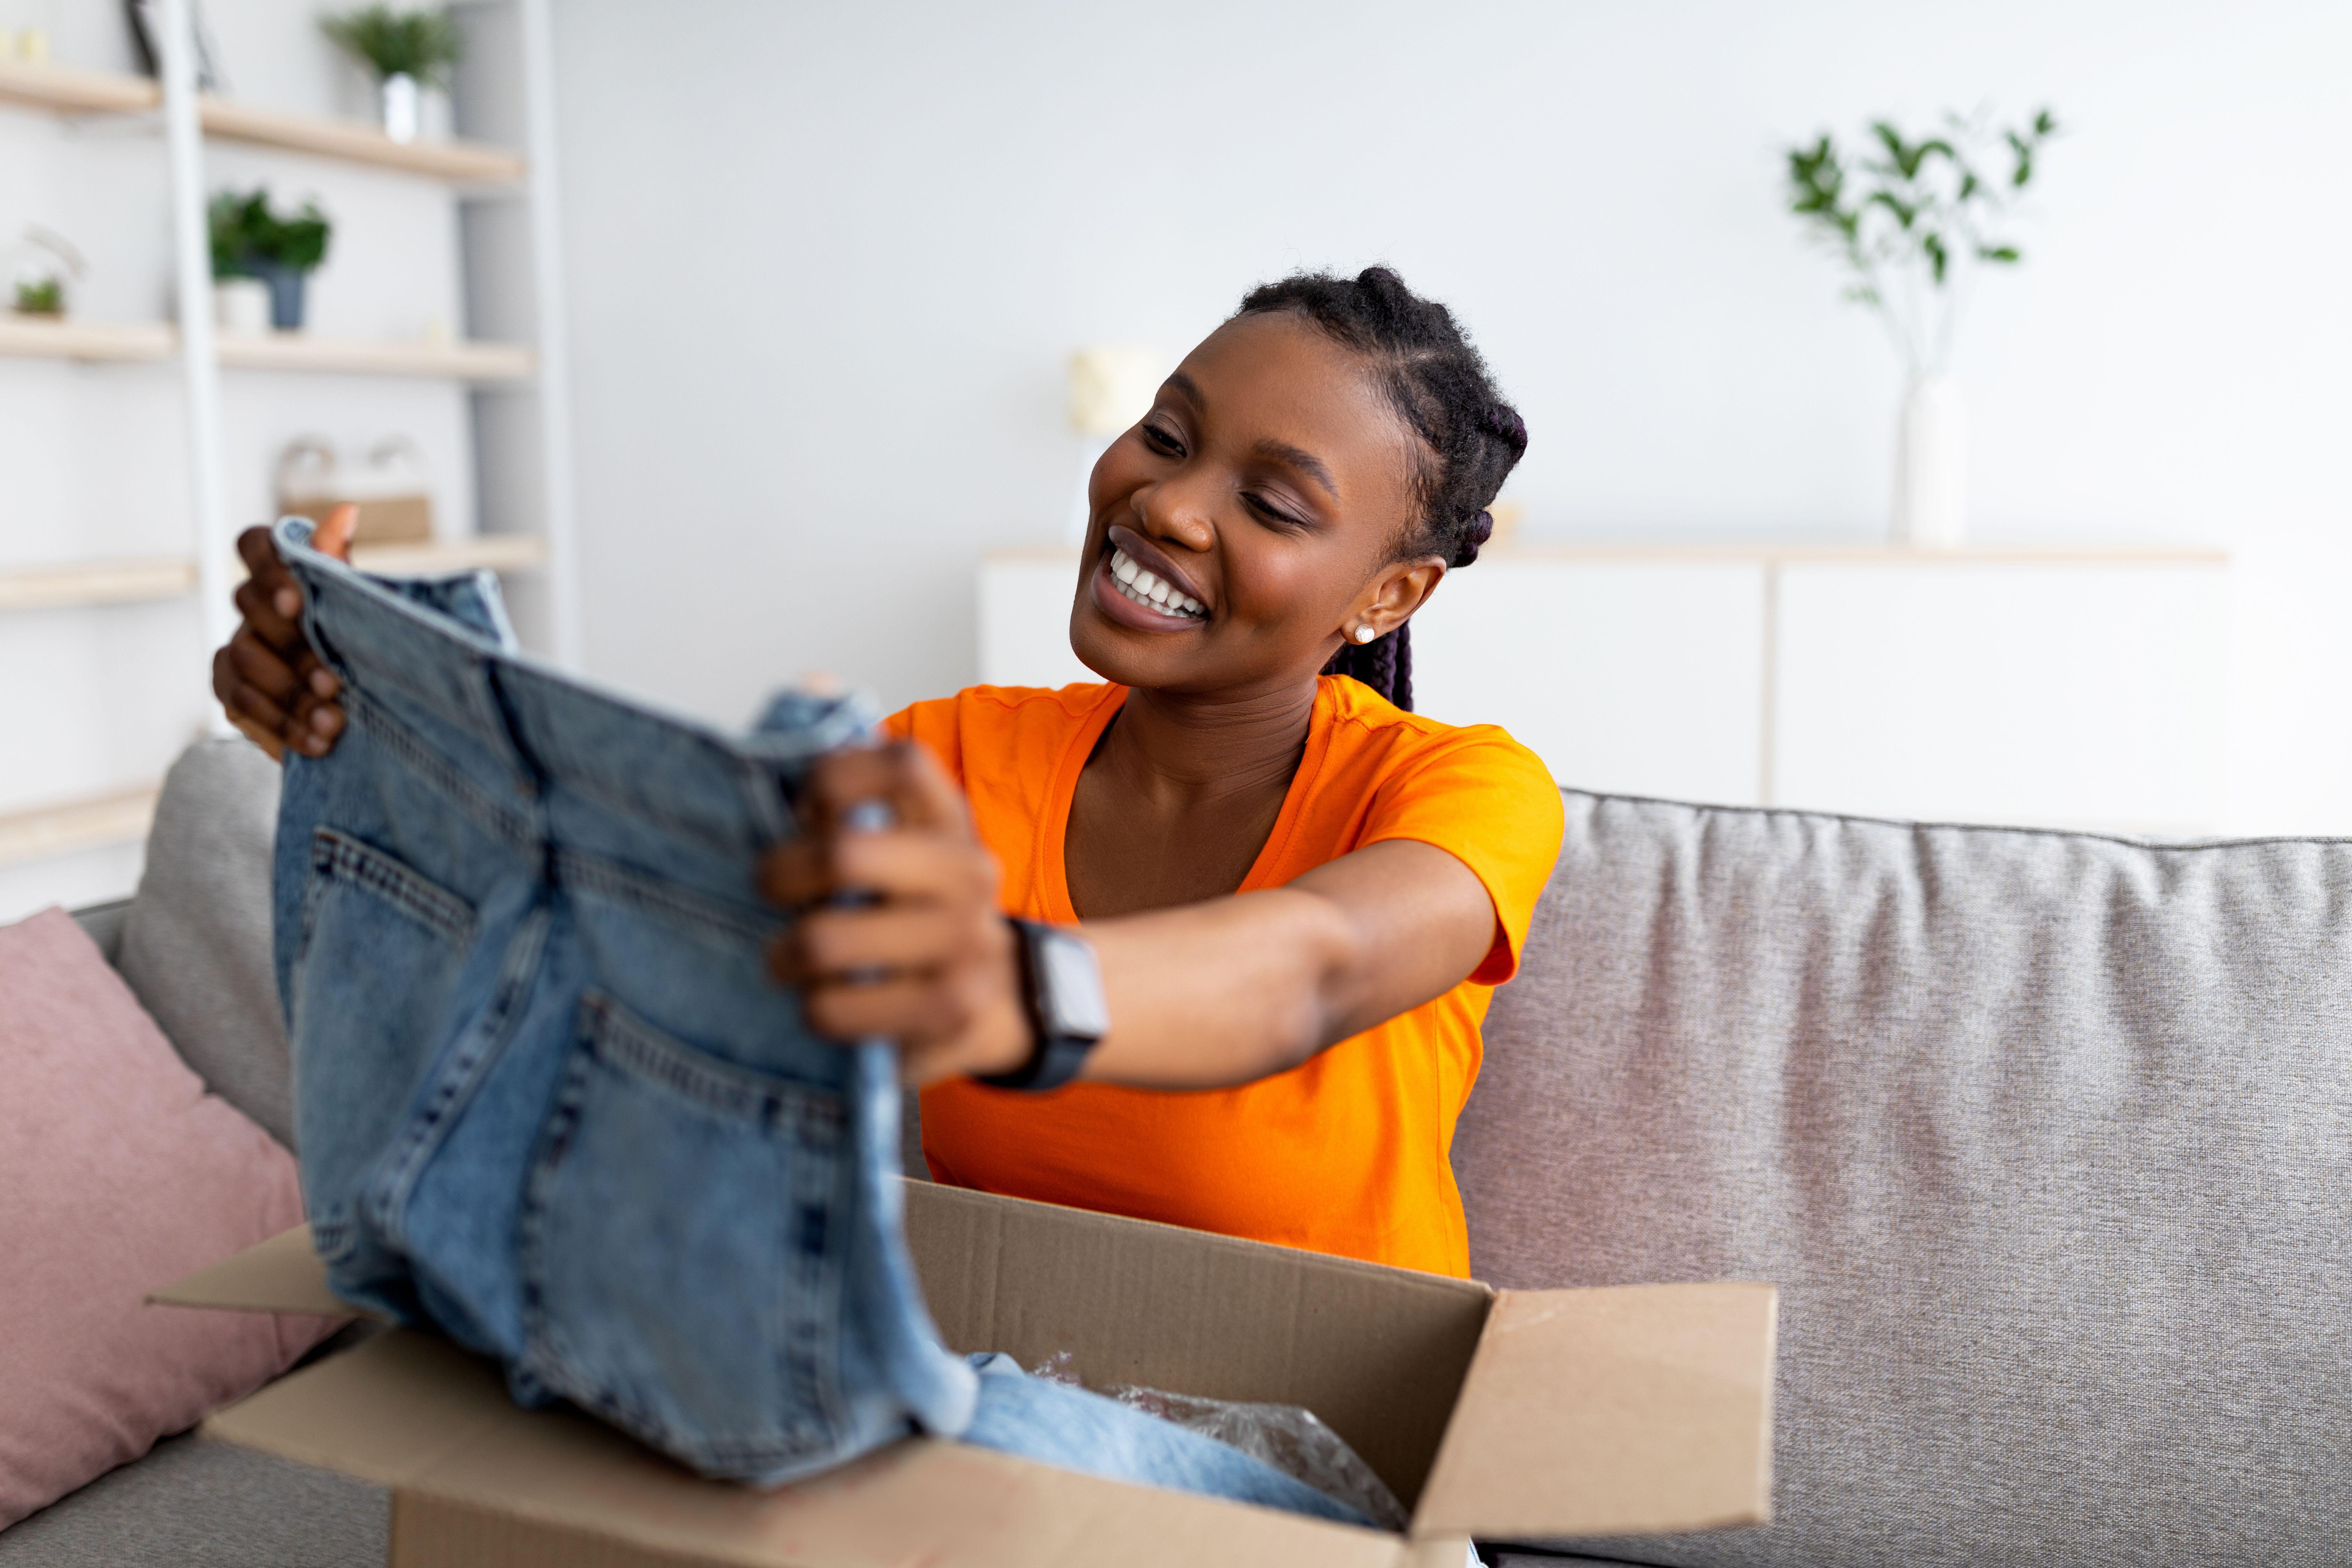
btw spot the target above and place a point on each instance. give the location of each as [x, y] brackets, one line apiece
[1912, 218]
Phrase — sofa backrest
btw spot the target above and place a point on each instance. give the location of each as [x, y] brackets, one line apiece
[2046, 1137]
[195, 943]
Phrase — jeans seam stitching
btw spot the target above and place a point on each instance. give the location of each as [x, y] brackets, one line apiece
[397, 736]
[483, 1043]
[338, 855]
[594, 873]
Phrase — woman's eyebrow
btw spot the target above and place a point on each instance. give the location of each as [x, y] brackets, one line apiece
[1306, 462]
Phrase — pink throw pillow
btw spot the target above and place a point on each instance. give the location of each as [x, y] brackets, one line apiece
[118, 1174]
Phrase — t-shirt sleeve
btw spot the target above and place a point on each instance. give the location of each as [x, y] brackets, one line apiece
[1490, 803]
[935, 726]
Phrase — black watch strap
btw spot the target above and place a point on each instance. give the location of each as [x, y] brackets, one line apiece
[1062, 991]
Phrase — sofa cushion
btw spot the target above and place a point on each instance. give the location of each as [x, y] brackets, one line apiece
[198, 1504]
[197, 945]
[119, 1173]
[2046, 1137]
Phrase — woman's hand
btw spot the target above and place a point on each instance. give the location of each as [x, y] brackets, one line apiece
[899, 935]
[272, 685]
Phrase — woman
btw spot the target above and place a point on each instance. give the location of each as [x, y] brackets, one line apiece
[1294, 895]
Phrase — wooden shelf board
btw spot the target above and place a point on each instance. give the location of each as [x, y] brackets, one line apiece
[118, 816]
[127, 582]
[302, 352]
[355, 142]
[498, 551]
[64, 90]
[34, 337]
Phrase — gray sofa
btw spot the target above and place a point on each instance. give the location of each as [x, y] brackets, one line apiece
[2047, 1138]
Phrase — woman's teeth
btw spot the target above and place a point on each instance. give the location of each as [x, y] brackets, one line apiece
[1145, 588]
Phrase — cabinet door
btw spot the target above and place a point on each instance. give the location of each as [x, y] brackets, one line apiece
[1024, 621]
[1633, 677]
[2052, 695]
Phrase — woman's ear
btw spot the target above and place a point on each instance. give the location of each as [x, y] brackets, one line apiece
[1395, 594]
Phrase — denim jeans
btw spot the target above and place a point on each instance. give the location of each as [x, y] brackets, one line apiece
[550, 1101]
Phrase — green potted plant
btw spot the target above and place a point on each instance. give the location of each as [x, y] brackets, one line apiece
[42, 269]
[1912, 220]
[409, 51]
[251, 240]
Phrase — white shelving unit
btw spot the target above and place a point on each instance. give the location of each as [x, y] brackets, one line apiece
[65, 619]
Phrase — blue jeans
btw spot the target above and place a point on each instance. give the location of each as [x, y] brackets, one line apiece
[549, 1099]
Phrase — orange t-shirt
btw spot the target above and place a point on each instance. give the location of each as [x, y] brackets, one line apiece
[1345, 1153]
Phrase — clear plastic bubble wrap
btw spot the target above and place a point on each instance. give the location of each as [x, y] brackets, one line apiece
[1292, 1439]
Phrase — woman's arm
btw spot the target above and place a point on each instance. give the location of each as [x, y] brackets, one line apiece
[1218, 993]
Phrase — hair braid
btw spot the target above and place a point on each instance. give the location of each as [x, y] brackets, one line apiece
[1471, 438]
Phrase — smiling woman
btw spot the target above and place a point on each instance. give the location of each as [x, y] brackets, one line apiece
[1239, 867]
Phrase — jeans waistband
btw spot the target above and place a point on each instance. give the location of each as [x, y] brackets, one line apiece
[535, 757]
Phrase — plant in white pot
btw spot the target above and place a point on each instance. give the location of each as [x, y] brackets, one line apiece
[1913, 220]
[409, 51]
[250, 239]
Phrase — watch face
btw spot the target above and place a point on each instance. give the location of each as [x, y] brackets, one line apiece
[1074, 987]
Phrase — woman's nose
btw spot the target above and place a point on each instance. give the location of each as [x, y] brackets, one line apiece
[1165, 513]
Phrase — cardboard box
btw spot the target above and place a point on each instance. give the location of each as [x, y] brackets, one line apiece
[1503, 1414]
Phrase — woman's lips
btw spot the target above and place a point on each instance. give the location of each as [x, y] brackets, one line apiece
[1117, 607]
[1152, 558]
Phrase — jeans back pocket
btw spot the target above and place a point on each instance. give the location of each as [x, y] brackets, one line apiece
[682, 1265]
[380, 951]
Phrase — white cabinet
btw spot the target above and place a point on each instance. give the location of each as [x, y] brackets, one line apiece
[2073, 687]
[2064, 695]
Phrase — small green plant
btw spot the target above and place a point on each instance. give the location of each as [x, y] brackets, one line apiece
[42, 297]
[422, 44]
[249, 238]
[1910, 218]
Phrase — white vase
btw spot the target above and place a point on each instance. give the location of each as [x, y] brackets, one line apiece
[241, 306]
[400, 107]
[1931, 456]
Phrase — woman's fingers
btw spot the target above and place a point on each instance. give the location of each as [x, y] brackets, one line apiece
[267, 679]
[921, 956]
[958, 1020]
[242, 699]
[270, 612]
[856, 945]
[900, 776]
[893, 862]
[257, 664]
[266, 738]
[254, 548]
[334, 536]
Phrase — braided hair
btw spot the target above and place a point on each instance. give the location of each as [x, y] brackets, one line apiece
[1471, 438]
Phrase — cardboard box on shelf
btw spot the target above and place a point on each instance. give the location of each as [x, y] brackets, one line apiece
[1504, 1414]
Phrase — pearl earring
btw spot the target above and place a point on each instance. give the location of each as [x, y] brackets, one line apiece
[1365, 634]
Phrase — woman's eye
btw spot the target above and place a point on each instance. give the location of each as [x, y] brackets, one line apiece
[1162, 442]
[1268, 510]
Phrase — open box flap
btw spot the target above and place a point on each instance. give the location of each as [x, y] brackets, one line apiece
[280, 1275]
[413, 1412]
[1611, 1412]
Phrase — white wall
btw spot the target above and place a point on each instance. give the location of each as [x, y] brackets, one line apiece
[826, 262]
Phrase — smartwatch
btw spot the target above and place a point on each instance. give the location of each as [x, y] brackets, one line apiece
[1062, 991]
